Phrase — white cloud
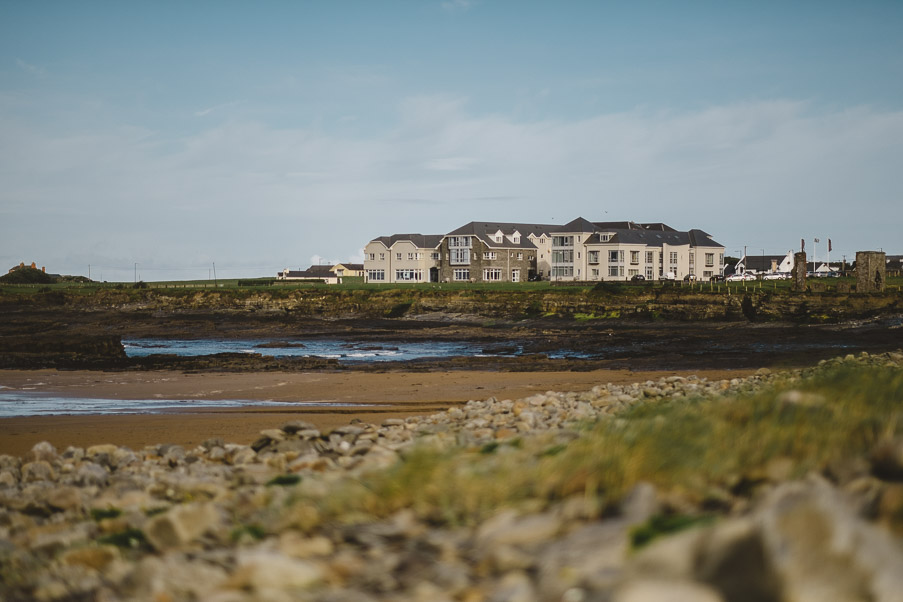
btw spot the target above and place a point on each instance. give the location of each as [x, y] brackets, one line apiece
[764, 174]
[457, 5]
[29, 68]
[216, 108]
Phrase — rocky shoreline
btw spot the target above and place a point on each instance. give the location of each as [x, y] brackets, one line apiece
[226, 522]
[69, 339]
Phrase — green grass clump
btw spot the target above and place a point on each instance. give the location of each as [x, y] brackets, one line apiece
[662, 524]
[284, 480]
[99, 514]
[251, 532]
[130, 538]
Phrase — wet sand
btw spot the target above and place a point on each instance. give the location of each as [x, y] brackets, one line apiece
[380, 395]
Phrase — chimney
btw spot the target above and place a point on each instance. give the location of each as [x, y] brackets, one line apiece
[44, 269]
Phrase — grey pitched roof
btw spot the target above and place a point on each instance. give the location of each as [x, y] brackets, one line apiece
[615, 226]
[657, 226]
[314, 271]
[651, 239]
[760, 263]
[700, 238]
[486, 230]
[421, 241]
[578, 225]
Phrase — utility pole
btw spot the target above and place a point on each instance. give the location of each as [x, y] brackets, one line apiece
[214, 274]
[136, 272]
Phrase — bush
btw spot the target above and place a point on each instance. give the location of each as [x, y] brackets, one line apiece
[27, 276]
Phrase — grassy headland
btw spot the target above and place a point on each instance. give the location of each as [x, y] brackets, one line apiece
[830, 300]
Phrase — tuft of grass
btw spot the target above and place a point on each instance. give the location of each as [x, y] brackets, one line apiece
[661, 524]
[99, 514]
[284, 480]
[130, 538]
[253, 532]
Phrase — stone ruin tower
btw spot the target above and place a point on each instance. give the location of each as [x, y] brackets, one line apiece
[871, 271]
[798, 274]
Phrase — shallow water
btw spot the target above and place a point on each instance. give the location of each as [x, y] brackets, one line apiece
[36, 403]
[324, 348]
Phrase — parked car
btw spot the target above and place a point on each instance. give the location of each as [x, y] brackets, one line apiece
[740, 277]
[637, 278]
[775, 276]
[690, 278]
[718, 278]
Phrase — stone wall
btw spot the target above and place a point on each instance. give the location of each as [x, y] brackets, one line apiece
[505, 259]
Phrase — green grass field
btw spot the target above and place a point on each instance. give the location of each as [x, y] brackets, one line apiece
[894, 284]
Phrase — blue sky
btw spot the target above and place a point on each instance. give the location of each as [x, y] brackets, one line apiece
[267, 135]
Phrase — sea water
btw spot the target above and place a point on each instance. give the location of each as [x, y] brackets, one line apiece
[37, 403]
[341, 350]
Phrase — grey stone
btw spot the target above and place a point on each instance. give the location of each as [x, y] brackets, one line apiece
[40, 470]
[181, 525]
[655, 590]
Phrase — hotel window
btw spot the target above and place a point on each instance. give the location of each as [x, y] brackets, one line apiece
[612, 270]
[520, 255]
[372, 256]
[515, 275]
[408, 275]
[434, 256]
[562, 256]
[459, 241]
[562, 241]
[632, 272]
[650, 257]
[648, 272]
[709, 260]
[462, 275]
[562, 271]
[492, 274]
[593, 256]
[672, 256]
[720, 258]
[410, 257]
[595, 272]
[634, 257]
[382, 256]
[606, 237]
[615, 256]
[692, 259]
[398, 257]
[489, 255]
[376, 275]
[459, 257]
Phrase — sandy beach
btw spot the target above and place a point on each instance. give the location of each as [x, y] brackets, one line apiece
[379, 395]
